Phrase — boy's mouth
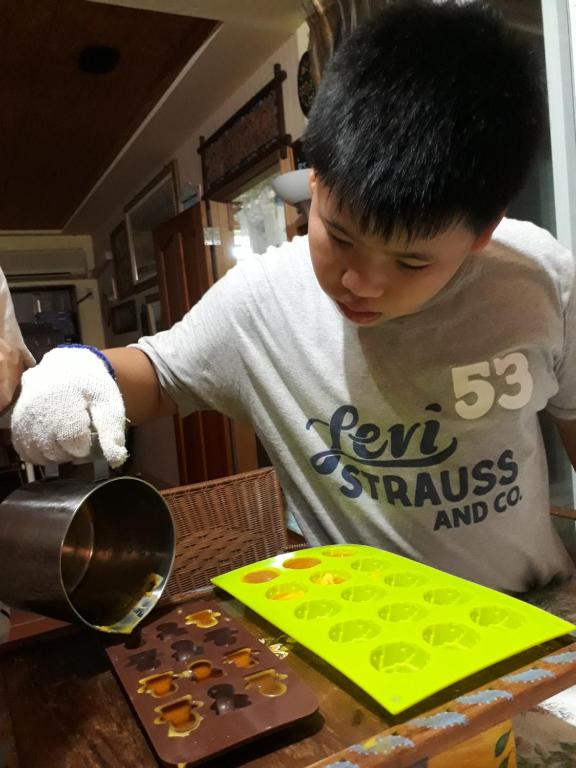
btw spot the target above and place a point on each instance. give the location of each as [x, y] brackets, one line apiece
[361, 318]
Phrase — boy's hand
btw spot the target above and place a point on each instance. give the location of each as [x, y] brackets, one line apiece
[63, 398]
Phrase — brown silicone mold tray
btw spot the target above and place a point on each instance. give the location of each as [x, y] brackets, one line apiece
[201, 684]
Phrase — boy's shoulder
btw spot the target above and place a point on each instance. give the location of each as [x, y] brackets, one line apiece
[287, 264]
[531, 247]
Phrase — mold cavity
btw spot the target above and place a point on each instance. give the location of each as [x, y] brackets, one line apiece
[203, 619]
[184, 650]
[317, 609]
[399, 658]
[242, 658]
[286, 592]
[226, 699]
[338, 552]
[363, 593]
[496, 617]
[181, 716]
[330, 578]
[268, 683]
[260, 577]
[158, 685]
[373, 565]
[170, 629]
[407, 579]
[445, 596]
[221, 637]
[204, 670]
[397, 612]
[145, 660]
[297, 563]
[353, 631]
[454, 637]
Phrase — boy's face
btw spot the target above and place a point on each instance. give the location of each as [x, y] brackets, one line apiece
[370, 279]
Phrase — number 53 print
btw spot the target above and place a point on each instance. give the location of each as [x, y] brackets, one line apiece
[475, 386]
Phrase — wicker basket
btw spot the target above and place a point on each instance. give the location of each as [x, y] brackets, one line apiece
[221, 525]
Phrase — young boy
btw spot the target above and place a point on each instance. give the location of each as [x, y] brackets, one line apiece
[394, 362]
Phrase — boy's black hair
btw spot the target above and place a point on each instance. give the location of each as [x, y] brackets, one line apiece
[428, 115]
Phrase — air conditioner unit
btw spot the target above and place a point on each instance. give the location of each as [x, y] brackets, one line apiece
[45, 264]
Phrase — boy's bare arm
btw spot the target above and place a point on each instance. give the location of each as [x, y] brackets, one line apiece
[143, 397]
[567, 430]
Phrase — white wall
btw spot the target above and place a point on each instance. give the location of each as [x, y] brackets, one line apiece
[187, 157]
[154, 447]
[46, 242]
[287, 56]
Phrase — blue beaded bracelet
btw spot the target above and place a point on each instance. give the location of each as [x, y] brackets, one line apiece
[96, 351]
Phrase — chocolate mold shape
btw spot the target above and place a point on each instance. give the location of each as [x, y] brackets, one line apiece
[353, 631]
[405, 579]
[451, 636]
[203, 619]
[301, 563]
[330, 578]
[170, 629]
[496, 617]
[373, 565]
[145, 660]
[446, 596]
[184, 650]
[399, 658]
[203, 669]
[268, 683]
[338, 552]
[292, 591]
[158, 686]
[221, 637]
[181, 716]
[317, 609]
[363, 593]
[243, 658]
[397, 612]
[226, 699]
[260, 577]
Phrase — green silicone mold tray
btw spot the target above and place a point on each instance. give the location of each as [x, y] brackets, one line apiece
[400, 630]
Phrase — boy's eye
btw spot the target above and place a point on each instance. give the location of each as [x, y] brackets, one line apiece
[404, 265]
[339, 241]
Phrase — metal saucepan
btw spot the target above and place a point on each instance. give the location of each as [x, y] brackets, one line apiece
[98, 553]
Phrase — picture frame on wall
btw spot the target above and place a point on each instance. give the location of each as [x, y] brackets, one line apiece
[156, 203]
[120, 245]
[124, 318]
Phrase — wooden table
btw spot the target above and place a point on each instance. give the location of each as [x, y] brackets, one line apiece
[61, 706]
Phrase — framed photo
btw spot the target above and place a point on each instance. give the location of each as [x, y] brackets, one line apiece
[122, 261]
[124, 318]
[155, 204]
[154, 313]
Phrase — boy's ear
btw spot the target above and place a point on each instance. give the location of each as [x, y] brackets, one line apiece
[484, 237]
[312, 180]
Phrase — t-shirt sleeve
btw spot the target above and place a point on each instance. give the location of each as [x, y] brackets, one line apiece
[563, 404]
[198, 361]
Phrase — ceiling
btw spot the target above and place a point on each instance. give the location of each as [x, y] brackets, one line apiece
[73, 144]
[261, 14]
[61, 127]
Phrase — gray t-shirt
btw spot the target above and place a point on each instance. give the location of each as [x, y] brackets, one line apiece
[419, 435]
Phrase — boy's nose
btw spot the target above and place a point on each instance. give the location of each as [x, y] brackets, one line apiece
[363, 285]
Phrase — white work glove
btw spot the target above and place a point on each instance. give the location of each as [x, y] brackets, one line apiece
[70, 390]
